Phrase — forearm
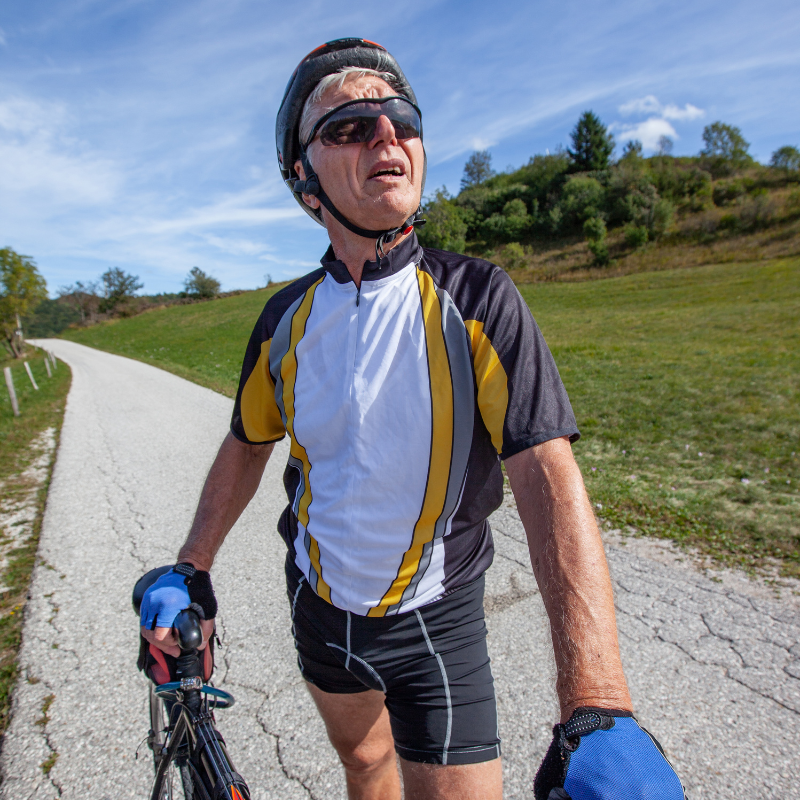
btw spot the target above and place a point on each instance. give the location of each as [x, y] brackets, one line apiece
[571, 570]
[231, 483]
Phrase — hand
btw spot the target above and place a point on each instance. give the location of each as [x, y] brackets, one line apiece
[167, 597]
[602, 754]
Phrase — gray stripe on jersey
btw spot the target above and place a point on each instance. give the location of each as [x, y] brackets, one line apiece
[281, 340]
[460, 358]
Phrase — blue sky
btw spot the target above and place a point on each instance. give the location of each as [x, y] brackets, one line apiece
[140, 134]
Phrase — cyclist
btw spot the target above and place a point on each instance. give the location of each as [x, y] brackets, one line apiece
[403, 377]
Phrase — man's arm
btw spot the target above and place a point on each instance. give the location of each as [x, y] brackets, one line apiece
[572, 574]
[231, 483]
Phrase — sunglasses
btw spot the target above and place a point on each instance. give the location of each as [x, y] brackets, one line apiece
[355, 122]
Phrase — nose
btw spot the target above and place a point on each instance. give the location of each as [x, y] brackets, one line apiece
[384, 132]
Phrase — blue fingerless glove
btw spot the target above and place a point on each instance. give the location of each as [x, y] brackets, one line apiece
[181, 587]
[603, 754]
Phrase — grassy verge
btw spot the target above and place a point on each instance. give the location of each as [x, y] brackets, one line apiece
[684, 383]
[203, 342]
[39, 411]
[685, 386]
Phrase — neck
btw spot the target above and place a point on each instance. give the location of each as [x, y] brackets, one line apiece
[353, 250]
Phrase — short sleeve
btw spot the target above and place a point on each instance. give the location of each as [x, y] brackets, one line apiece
[256, 416]
[521, 397]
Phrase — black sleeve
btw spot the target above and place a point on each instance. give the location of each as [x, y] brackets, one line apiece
[520, 394]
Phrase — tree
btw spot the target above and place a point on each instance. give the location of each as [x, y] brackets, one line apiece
[665, 145]
[632, 150]
[786, 158]
[592, 144]
[82, 297]
[118, 286]
[477, 169]
[199, 284]
[21, 288]
[725, 148]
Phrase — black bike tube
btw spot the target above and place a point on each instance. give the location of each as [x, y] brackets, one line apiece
[175, 742]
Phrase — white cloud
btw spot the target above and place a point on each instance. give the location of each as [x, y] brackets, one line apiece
[649, 105]
[647, 132]
[658, 123]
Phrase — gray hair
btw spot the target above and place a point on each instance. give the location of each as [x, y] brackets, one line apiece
[313, 108]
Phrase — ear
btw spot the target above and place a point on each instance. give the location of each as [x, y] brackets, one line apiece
[308, 199]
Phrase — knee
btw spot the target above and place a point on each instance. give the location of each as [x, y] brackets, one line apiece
[365, 758]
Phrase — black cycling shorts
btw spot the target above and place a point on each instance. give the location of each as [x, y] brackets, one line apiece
[432, 664]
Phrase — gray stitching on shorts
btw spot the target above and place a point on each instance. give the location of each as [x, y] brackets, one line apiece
[294, 629]
[360, 661]
[446, 685]
[347, 660]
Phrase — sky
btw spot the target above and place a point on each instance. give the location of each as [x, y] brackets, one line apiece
[140, 134]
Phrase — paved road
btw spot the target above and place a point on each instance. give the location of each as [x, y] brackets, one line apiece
[714, 673]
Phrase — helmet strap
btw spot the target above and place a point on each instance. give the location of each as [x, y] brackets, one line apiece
[312, 186]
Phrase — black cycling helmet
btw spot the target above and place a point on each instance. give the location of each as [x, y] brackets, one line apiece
[326, 60]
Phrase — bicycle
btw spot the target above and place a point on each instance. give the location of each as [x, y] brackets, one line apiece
[183, 736]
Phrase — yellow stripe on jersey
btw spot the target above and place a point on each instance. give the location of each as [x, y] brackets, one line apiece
[492, 382]
[261, 417]
[289, 377]
[441, 444]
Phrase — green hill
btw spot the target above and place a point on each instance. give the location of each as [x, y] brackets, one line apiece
[684, 383]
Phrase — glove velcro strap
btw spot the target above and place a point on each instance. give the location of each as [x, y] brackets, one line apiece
[587, 720]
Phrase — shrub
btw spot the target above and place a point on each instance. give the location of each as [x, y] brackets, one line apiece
[727, 192]
[199, 284]
[595, 231]
[635, 236]
[514, 256]
[661, 218]
[729, 222]
[600, 252]
[583, 197]
[446, 228]
[757, 212]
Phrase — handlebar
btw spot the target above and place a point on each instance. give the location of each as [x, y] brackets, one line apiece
[187, 630]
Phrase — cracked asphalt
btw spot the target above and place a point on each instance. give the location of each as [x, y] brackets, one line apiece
[715, 673]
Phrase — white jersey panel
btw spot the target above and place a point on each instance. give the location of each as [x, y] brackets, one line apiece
[362, 378]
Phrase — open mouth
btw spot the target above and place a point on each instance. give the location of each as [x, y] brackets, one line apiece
[391, 170]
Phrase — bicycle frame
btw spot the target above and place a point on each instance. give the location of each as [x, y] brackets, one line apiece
[192, 724]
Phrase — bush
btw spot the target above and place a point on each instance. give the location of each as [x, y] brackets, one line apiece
[635, 236]
[595, 231]
[583, 197]
[727, 192]
[198, 284]
[661, 219]
[514, 256]
[757, 212]
[600, 252]
[687, 186]
[446, 228]
[729, 222]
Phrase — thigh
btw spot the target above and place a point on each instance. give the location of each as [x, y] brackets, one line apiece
[482, 781]
[357, 724]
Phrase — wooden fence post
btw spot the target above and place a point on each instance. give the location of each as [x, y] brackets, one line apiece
[54, 360]
[30, 375]
[11, 393]
[47, 367]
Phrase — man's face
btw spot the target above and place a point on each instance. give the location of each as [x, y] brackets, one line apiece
[349, 173]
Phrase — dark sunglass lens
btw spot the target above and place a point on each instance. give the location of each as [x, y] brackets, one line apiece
[349, 130]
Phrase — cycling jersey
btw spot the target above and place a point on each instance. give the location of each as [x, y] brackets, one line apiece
[400, 398]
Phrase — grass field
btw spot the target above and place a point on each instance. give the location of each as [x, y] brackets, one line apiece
[38, 412]
[684, 383]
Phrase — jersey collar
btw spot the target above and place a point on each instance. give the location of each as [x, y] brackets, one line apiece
[397, 258]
